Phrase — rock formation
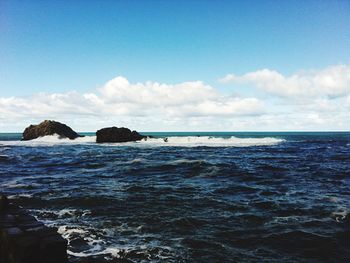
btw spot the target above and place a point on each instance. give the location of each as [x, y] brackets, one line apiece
[23, 239]
[49, 128]
[114, 134]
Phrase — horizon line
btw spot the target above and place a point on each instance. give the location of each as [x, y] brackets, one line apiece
[280, 131]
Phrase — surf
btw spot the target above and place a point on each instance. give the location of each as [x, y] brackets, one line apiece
[171, 141]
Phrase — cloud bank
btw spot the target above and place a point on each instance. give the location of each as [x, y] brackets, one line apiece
[306, 100]
[120, 99]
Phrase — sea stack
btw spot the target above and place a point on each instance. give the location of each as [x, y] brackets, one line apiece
[115, 134]
[49, 127]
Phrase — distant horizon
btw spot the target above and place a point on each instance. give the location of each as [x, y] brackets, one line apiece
[277, 131]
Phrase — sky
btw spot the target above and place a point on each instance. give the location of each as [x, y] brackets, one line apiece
[176, 65]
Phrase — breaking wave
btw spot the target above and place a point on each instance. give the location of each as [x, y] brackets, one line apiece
[175, 141]
[193, 141]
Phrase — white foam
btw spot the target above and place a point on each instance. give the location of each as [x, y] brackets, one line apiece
[95, 251]
[50, 140]
[55, 139]
[66, 212]
[66, 231]
[180, 141]
[17, 196]
[13, 184]
[137, 160]
[100, 246]
[17, 184]
[114, 251]
[194, 141]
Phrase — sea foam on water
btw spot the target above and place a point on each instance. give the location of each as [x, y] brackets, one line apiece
[181, 141]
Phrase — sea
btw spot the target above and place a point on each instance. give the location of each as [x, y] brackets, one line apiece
[189, 197]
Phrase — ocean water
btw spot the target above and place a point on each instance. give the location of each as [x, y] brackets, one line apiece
[197, 197]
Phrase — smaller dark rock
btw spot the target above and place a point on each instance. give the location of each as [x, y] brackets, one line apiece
[4, 203]
[7, 219]
[28, 226]
[49, 128]
[26, 249]
[25, 219]
[347, 219]
[114, 134]
[12, 231]
[53, 249]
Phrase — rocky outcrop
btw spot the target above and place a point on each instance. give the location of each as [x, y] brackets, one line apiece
[23, 239]
[114, 134]
[49, 128]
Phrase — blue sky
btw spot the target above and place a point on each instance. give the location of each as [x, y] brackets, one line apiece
[60, 47]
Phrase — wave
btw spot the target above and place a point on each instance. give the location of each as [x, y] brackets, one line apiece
[194, 141]
[56, 139]
[50, 140]
[85, 241]
[13, 184]
[19, 196]
[174, 141]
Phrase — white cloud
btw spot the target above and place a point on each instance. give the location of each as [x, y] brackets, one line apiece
[123, 101]
[313, 100]
[152, 93]
[333, 81]
[226, 107]
[307, 100]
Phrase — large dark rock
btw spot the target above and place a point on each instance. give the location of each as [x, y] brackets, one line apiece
[114, 134]
[23, 239]
[49, 128]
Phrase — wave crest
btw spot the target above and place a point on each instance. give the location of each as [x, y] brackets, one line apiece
[174, 141]
[194, 141]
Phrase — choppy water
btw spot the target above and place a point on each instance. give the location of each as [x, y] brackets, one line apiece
[254, 197]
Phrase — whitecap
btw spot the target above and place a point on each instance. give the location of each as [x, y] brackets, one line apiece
[340, 215]
[67, 231]
[209, 141]
[17, 196]
[66, 212]
[13, 184]
[50, 140]
[185, 161]
[172, 141]
[137, 160]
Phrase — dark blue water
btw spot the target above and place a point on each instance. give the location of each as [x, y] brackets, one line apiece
[269, 197]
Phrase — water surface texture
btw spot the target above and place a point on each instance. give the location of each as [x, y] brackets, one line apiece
[199, 197]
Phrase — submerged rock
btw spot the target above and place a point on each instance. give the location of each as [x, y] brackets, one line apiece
[115, 134]
[48, 127]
